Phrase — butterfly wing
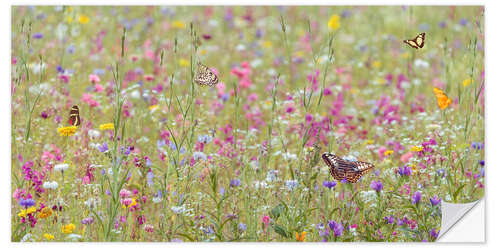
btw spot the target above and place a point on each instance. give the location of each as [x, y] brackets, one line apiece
[204, 76]
[417, 42]
[74, 116]
[420, 39]
[341, 169]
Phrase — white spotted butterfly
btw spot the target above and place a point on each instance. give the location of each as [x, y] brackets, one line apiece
[341, 169]
[205, 76]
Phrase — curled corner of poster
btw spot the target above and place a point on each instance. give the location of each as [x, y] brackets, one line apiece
[462, 222]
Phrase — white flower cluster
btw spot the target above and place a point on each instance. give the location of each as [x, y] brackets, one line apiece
[50, 185]
[61, 167]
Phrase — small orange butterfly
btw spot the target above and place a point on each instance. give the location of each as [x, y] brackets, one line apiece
[300, 237]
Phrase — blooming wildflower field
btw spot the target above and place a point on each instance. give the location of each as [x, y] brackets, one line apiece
[153, 156]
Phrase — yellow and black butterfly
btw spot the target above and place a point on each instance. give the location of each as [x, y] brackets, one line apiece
[74, 116]
[205, 76]
[417, 42]
[341, 169]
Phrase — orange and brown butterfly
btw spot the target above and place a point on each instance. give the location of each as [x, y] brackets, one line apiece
[341, 169]
[417, 42]
[205, 77]
[300, 236]
[74, 116]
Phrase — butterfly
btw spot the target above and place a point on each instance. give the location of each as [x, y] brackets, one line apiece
[204, 76]
[74, 116]
[341, 169]
[300, 237]
[417, 42]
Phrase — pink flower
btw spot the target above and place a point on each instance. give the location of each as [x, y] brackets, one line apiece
[124, 193]
[290, 108]
[87, 98]
[64, 78]
[149, 78]
[252, 97]
[94, 78]
[406, 157]
[98, 87]
[86, 179]
[381, 152]
[266, 219]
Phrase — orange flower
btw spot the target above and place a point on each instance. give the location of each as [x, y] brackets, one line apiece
[442, 99]
[300, 237]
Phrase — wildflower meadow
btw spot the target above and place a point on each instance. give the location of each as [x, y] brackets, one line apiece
[113, 139]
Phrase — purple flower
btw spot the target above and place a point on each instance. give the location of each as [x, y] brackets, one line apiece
[44, 115]
[242, 227]
[433, 233]
[38, 35]
[27, 202]
[435, 200]
[416, 197]
[345, 13]
[234, 183]
[150, 177]
[389, 219]
[482, 164]
[103, 148]
[404, 171]
[337, 228]
[87, 221]
[258, 33]
[71, 49]
[442, 24]
[329, 184]
[477, 145]
[377, 186]
[463, 21]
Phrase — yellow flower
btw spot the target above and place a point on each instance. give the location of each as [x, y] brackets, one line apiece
[45, 213]
[22, 213]
[107, 126]
[334, 22]
[376, 64]
[67, 229]
[183, 62]
[67, 131]
[83, 19]
[368, 142]
[48, 236]
[413, 167]
[178, 24]
[267, 44]
[153, 107]
[69, 19]
[388, 152]
[467, 82]
[405, 55]
[300, 237]
[203, 51]
[133, 203]
[416, 148]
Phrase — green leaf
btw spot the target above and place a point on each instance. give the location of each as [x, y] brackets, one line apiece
[276, 211]
[458, 191]
[281, 231]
